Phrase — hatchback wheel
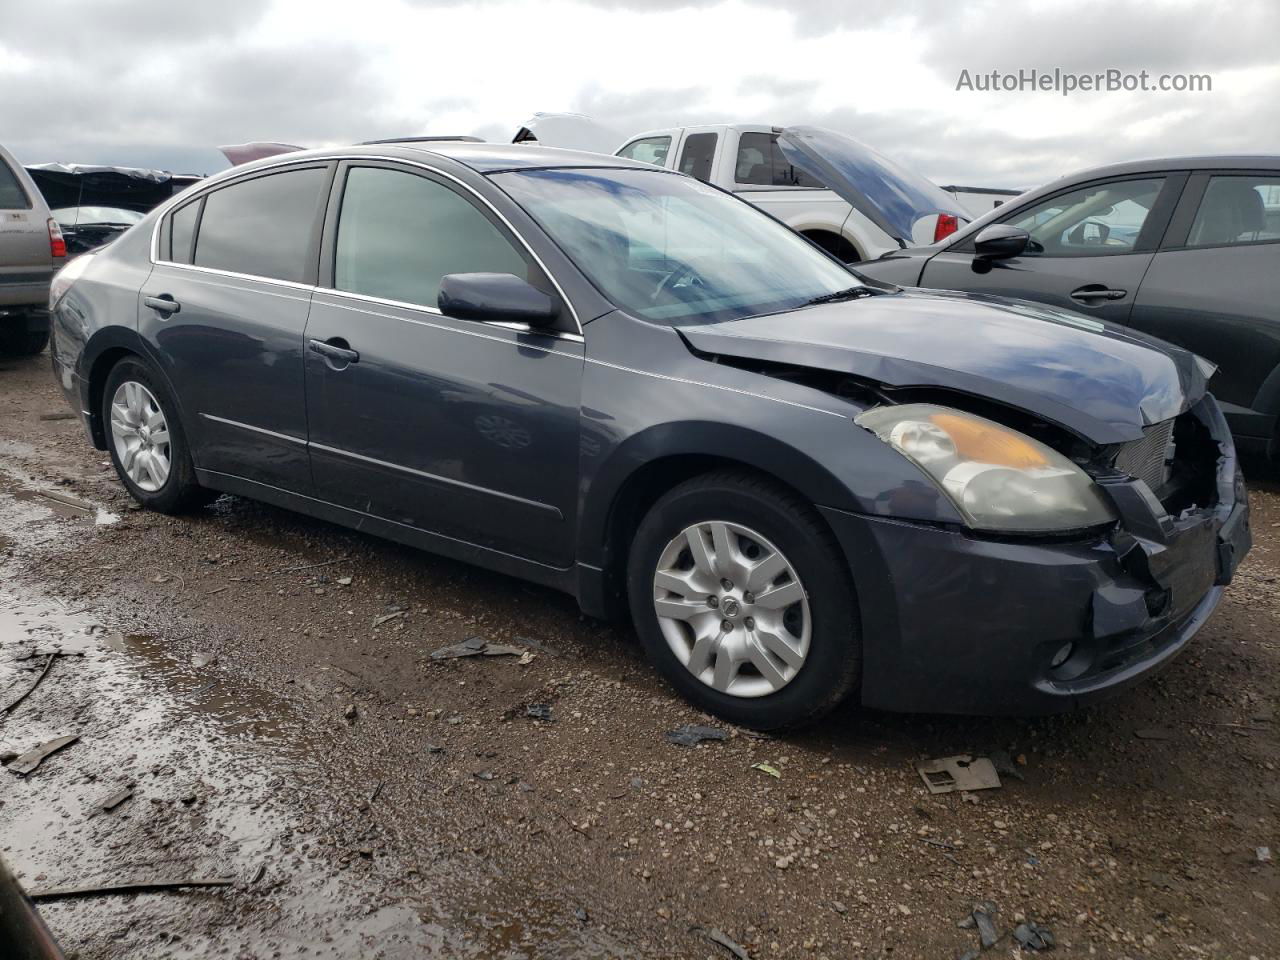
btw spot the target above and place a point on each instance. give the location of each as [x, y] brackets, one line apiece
[742, 599]
[147, 444]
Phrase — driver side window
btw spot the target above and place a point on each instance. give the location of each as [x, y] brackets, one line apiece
[1098, 220]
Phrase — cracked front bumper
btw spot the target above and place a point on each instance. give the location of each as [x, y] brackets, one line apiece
[958, 623]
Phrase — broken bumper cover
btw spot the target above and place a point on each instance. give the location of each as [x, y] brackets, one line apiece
[958, 623]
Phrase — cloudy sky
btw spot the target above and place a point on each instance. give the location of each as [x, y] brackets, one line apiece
[160, 82]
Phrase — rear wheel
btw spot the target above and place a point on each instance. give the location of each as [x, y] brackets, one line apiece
[742, 599]
[146, 441]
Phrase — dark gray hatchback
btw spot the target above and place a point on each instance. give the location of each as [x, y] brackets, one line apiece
[626, 384]
[1185, 249]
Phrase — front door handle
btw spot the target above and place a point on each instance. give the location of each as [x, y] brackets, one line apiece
[336, 352]
[163, 304]
[1094, 293]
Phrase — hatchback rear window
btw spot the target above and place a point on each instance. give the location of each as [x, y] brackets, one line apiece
[12, 196]
[262, 227]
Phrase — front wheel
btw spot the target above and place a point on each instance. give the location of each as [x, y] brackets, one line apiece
[743, 600]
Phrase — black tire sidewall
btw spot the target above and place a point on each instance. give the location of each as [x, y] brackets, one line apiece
[834, 659]
[174, 495]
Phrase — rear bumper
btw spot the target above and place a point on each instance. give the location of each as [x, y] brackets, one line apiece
[956, 623]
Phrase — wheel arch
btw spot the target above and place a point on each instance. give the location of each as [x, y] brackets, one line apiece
[104, 350]
[835, 243]
[649, 465]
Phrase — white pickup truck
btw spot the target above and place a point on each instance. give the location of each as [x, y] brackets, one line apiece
[850, 200]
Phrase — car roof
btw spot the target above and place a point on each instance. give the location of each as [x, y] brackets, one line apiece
[1162, 164]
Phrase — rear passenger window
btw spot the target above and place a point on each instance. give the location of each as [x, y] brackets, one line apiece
[399, 233]
[761, 162]
[262, 226]
[1236, 210]
[12, 196]
[697, 154]
[182, 230]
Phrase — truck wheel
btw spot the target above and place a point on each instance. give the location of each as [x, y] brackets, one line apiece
[743, 601]
[146, 441]
[17, 341]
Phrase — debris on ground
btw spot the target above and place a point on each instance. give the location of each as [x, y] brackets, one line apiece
[769, 769]
[111, 801]
[28, 762]
[981, 917]
[350, 713]
[965, 773]
[201, 660]
[1262, 854]
[692, 734]
[13, 704]
[1006, 765]
[150, 886]
[386, 617]
[1031, 936]
[720, 938]
[1153, 733]
[539, 711]
[475, 647]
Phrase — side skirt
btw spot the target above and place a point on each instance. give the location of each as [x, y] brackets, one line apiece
[566, 579]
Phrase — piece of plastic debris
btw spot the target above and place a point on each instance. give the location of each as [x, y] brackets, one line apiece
[379, 621]
[1006, 765]
[344, 581]
[110, 802]
[692, 734]
[769, 769]
[1032, 936]
[539, 711]
[526, 658]
[62, 893]
[475, 647]
[28, 762]
[988, 935]
[13, 704]
[1262, 854]
[720, 938]
[966, 773]
[1153, 733]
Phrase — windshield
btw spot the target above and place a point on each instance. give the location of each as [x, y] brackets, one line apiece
[669, 248]
[71, 216]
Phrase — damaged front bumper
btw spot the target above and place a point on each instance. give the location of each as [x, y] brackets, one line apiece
[958, 623]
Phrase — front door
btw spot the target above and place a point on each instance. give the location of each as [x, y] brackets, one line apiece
[226, 304]
[464, 429]
[1089, 249]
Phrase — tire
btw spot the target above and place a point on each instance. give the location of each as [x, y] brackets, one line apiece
[174, 490]
[757, 518]
[17, 341]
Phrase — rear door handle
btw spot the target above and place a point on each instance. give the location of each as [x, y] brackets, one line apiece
[163, 304]
[336, 352]
[1095, 293]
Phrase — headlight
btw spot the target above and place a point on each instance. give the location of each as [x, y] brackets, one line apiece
[998, 479]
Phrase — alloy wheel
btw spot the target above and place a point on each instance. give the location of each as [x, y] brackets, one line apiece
[141, 435]
[732, 609]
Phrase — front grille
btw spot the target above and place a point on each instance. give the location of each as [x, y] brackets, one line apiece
[1148, 459]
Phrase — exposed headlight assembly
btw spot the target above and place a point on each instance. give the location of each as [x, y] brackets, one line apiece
[999, 479]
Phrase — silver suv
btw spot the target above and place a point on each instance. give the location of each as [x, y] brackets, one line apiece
[31, 252]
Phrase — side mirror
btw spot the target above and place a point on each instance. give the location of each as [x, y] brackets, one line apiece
[500, 297]
[1000, 241]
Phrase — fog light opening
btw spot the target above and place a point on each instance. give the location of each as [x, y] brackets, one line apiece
[1062, 656]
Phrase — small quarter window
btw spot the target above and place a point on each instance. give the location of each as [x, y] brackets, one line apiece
[182, 230]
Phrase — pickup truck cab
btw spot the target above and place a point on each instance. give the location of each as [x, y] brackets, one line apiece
[846, 198]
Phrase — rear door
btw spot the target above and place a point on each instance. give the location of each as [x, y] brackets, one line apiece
[1090, 247]
[26, 261]
[462, 428]
[226, 306]
[1214, 288]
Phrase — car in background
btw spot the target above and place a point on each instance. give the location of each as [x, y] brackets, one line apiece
[851, 201]
[621, 382]
[1184, 249]
[31, 251]
[89, 227]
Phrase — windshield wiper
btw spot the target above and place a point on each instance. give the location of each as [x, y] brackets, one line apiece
[849, 293]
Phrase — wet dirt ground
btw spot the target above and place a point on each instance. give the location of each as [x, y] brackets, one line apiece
[263, 683]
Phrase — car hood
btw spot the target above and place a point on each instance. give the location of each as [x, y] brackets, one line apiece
[889, 196]
[1098, 381]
